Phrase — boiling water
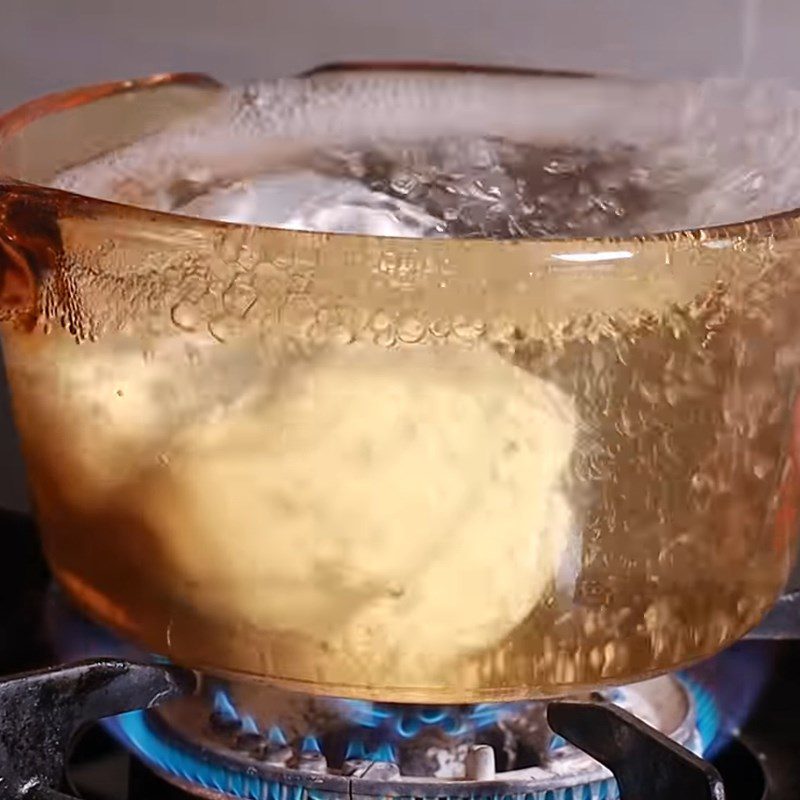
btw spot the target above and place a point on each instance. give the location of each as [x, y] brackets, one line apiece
[424, 507]
[468, 155]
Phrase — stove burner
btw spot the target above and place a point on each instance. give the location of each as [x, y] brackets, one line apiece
[643, 760]
[287, 745]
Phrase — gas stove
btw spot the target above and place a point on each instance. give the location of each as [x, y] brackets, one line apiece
[83, 715]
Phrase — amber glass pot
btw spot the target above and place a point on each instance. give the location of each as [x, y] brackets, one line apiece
[417, 470]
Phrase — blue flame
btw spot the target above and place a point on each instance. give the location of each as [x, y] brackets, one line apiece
[706, 713]
[171, 758]
[249, 725]
[276, 737]
[408, 728]
[385, 752]
[310, 745]
[406, 722]
[485, 714]
[356, 749]
[725, 689]
[432, 716]
[224, 707]
[365, 713]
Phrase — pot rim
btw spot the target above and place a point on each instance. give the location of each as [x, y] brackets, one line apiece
[781, 224]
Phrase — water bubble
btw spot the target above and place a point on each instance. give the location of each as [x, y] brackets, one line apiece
[440, 327]
[410, 329]
[239, 298]
[225, 328]
[231, 244]
[385, 337]
[380, 321]
[468, 330]
[403, 183]
[186, 316]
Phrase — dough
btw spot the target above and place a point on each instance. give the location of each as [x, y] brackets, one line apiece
[391, 506]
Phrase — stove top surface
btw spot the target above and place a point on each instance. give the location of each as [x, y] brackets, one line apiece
[755, 753]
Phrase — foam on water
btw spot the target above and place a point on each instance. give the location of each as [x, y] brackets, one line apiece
[447, 154]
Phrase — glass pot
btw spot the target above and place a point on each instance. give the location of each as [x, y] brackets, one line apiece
[412, 470]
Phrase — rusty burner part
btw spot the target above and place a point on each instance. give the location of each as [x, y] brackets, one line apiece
[48, 707]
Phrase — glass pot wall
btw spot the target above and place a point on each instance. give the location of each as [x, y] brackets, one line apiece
[417, 470]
